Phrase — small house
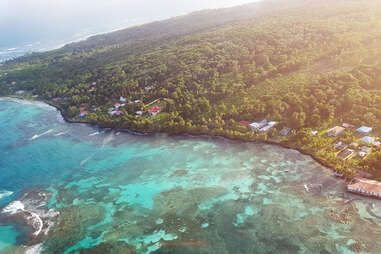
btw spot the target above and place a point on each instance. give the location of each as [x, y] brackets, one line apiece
[340, 146]
[92, 89]
[336, 131]
[347, 125]
[112, 112]
[364, 151]
[155, 110]
[148, 88]
[136, 101]
[117, 105]
[13, 83]
[83, 114]
[268, 127]
[139, 113]
[377, 143]
[364, 130]
[258, 125]
[346, 154]
[94, 83]
[244, 123]
[83, 108]
[354, 145]
[314, 133]
[122, 99]
[285, 131]
[368, 140]
[118, 113]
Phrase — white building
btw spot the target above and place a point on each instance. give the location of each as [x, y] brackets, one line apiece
[364, 130]
[258, 125]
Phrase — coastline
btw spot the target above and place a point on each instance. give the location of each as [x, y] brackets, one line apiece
[199, 135]
[53, 111]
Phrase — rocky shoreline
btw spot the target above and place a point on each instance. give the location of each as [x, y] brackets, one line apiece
[30, 214]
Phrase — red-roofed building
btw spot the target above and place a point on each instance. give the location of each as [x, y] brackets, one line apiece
[155, 110]
[118, 113]
[244, 123]
[83, 114]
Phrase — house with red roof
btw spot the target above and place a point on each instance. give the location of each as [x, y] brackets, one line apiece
[118, 113]
[155, 110]
[244, 123]
[83, 114]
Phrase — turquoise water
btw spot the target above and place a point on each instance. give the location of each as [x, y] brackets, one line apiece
[119, 193]
[8, 236]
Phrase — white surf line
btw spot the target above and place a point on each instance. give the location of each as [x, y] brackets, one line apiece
[17, 206]
[40, 225]
[60, 134]
[87, 159]
[40, 135]
[4, 194]
[35, 249]
[14, 207]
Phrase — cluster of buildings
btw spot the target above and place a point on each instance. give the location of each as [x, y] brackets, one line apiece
[154, 111]
[116, 110]
[348, 151]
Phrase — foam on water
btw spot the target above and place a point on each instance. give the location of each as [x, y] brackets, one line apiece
[4, 194]
[36, 249]
[14, 207]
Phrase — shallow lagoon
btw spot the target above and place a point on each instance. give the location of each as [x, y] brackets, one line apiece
[120, 193]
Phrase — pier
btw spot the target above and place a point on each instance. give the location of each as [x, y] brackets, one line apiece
[365, 187]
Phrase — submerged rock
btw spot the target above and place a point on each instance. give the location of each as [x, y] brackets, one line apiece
[111, 248]
[179, 173]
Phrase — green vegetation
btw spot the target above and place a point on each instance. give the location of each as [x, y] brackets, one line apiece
[309, 65]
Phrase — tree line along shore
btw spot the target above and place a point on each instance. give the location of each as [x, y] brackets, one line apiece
[307, 68]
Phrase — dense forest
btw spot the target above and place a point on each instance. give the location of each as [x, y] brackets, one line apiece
[308, 65]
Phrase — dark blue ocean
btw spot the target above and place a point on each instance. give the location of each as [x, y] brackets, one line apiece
[113, 192]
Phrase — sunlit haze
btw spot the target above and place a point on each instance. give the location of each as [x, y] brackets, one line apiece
[24, 22]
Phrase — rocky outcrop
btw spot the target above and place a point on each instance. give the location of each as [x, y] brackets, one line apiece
[31, 214]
